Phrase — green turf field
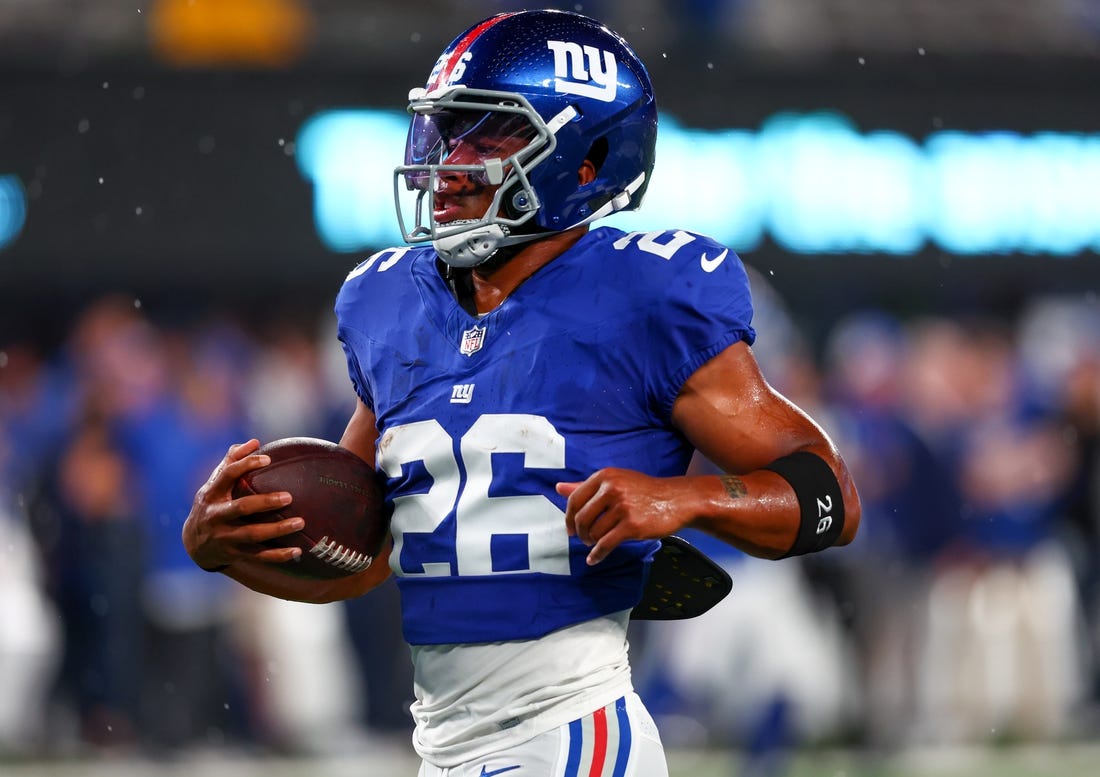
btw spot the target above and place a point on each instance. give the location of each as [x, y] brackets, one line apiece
[1033, 761]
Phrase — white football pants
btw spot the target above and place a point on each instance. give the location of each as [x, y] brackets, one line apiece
[619, 740]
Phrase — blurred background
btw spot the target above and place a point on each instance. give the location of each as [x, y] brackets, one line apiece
[915, 186]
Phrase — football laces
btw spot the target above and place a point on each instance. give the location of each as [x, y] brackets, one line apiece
[340, 556]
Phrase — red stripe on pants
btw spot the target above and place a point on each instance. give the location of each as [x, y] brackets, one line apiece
[599, 746]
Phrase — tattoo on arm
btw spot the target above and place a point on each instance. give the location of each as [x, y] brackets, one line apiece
[735, 487]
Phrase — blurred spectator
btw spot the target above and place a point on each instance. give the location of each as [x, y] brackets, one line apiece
[29, 636]
[1060, 348]
[142, 626]
[34, 416]
[36, 410]
[87, 514]
[95, 572]
[195, 687]
[910, 501]
[1003, 626]
[285, 384]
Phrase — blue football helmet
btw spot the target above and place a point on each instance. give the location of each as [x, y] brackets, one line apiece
[518, 102]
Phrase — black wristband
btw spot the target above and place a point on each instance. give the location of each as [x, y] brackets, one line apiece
[819, 498]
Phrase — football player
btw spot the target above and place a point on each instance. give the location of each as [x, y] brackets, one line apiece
[532, 389]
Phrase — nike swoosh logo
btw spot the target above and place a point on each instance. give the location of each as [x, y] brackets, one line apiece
[497, 771]
[710, 265]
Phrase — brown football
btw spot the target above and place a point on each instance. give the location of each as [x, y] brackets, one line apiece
[337, 494]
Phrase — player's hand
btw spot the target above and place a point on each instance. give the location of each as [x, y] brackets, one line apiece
[616, 505]
[214, 534]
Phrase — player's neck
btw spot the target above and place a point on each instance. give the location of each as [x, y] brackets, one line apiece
[491, 288]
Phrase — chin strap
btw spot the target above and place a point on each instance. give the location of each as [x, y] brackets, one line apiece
[474, 248]
[469, 249]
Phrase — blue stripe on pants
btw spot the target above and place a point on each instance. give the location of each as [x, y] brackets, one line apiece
[623, 754]
[573, 763]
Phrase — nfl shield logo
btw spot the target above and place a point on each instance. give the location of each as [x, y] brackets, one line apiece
[472, 340]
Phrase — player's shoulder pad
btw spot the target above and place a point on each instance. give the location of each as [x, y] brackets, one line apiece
[383, 280]
[664, 257]
[681, 250]
[383, 261]
[683, 269]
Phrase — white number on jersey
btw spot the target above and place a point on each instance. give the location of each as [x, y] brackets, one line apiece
[478, 516]
[393, 256]
[650, 242]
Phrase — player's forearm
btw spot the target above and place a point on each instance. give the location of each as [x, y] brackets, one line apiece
[269, 579]
[760, 513]
[750, 512]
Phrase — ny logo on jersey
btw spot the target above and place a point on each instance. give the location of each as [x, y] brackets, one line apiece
[472, 340]
[462, 393]
[579, 70]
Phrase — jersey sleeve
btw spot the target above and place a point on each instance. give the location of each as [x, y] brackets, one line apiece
[355, 370]
[706, 306]
[351, 300]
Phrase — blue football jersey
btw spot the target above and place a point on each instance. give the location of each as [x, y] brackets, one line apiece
[480, 417]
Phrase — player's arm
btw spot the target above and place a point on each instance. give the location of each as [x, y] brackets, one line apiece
[738, 421]
[217, 539]
[729, 412]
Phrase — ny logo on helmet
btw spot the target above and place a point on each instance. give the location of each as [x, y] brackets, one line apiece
[579, 70]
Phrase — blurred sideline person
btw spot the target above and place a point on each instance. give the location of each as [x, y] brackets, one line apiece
[533, 392]
[29, 641]
[1003, 643]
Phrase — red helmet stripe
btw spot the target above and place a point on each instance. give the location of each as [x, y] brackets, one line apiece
[460, 48]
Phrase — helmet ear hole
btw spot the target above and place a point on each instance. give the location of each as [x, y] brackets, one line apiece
[597, 153]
